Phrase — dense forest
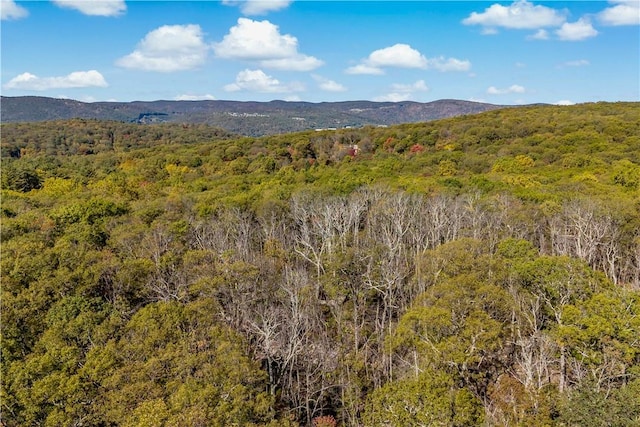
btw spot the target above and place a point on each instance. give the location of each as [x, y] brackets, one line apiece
[478, 270]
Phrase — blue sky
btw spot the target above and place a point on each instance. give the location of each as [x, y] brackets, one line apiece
[498, 52]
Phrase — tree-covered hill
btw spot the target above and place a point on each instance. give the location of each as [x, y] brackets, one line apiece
[245, 118]
[476, 270]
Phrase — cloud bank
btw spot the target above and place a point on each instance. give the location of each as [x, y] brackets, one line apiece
[77, 79]
[404, 56]
[187, 97]
[259, 81]
[520, 15]
[523, 15]
[403, 92]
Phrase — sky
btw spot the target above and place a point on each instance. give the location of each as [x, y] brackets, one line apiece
[516, 52]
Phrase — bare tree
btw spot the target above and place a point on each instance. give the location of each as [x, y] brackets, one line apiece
[584, 230]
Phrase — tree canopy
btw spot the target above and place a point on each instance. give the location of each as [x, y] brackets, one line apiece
[480, 269]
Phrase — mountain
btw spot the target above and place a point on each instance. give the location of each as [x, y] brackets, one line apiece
[245, 118]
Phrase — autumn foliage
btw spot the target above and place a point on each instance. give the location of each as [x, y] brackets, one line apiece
[163, 276]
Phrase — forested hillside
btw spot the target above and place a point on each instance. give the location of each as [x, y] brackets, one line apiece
[244, 118]
[478, 270]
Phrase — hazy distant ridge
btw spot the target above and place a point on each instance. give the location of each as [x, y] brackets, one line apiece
[248, 118]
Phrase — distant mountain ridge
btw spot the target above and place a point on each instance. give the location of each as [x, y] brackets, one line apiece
[245, 118]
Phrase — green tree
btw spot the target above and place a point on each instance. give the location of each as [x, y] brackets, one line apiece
[177, 366]
[20, 178]
[432, 398]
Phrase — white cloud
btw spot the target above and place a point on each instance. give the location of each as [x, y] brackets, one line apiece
[188, 97]
[404, 56]
[399, 55]
[448, 64]
[87, 98]
[403, 92]
[295, 63]
[488, 31]
[258, 81]
[364, 69]
[258, 7]
[625, 12]
[576, 31]
[328, 85]
[522, 14]
[261, 41]
[576, 63]
[539, 35]
[419, 86]
[256, 40]
[95, 8]
[564, 102]
[393, 97]
[10, 10]
[77, 79]
[519, 15]
[492, 90]
[167, 49]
